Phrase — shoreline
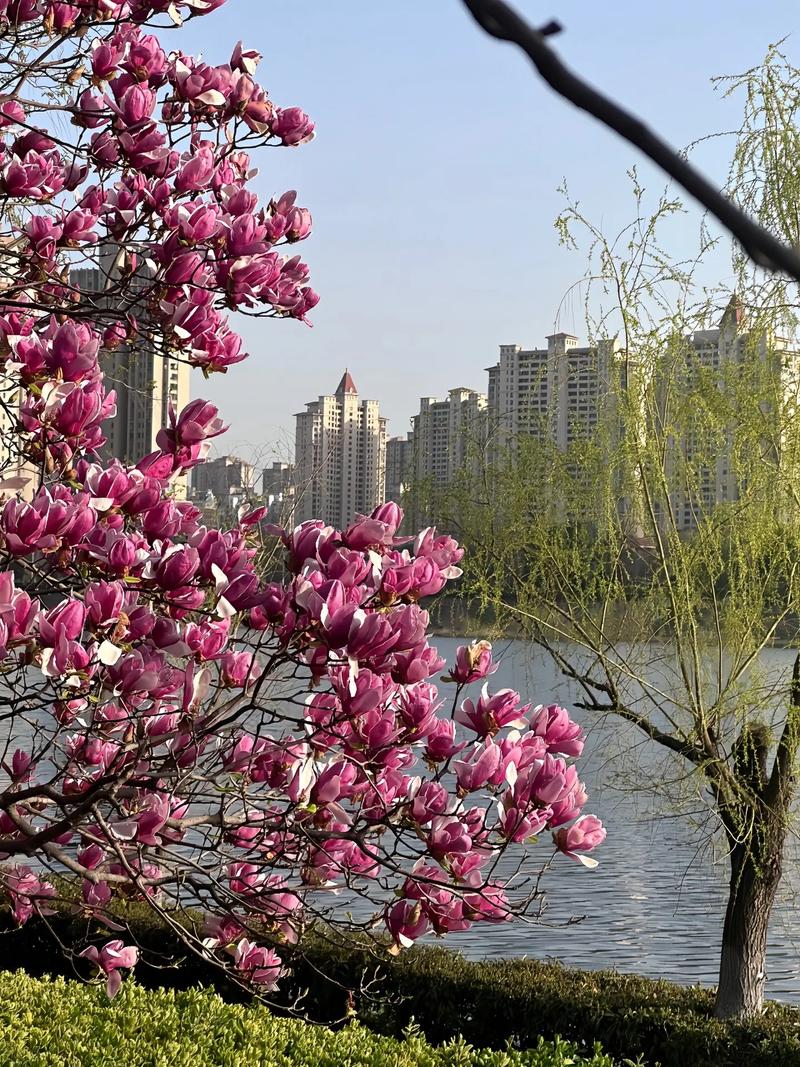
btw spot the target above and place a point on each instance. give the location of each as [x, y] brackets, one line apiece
[478, 633]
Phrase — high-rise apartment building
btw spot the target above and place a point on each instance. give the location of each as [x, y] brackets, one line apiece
[399, 465]
[223, 477]
[449, 436]
[144, 379]
[277, 489]
[563, 392]
[700, 461]
[340, 456]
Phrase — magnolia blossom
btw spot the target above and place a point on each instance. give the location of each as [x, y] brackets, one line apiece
[179, 730]
[111, 958]
[583, 836]
[261, 966]
[473, 662]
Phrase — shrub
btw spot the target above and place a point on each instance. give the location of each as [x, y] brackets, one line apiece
[490, 1004]
[53, 1023]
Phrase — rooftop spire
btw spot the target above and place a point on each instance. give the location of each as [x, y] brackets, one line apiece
[346, 385]
[734, 311]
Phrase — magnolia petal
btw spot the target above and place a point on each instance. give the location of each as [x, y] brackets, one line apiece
[125, 830]
[201, 683]
[108, 653]
[587, 861]
[221, 579]
[13, 484]
[225, 609]
[212, 97]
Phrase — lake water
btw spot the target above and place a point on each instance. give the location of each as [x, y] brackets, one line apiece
[655, 904]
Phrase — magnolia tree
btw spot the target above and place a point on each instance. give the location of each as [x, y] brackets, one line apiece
[175, 730]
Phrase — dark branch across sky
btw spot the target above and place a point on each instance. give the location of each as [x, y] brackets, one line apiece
[499, 20]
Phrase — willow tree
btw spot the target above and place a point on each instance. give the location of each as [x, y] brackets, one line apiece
[656, 556]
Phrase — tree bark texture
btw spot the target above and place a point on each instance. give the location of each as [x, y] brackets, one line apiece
[753, 886]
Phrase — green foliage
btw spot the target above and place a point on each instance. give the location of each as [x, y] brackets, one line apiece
[654, 555]
[53, 1023]
[498, 1005]
[494, 1003]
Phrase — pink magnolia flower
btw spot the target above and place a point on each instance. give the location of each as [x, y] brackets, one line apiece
[441, 742]
[187, 437]
[261, 966]
[367, 533]
[492, 712]
[105, 58]
[146, 60]
[448, 836]
[416, 664]
[111, 958]
[490, 904]
[520, 825]
[292, 126]
[418, 707]
[473, 662]
[238, 669]
[196, 171]
[223, 931]
[569, 806]
[430, 800]
[476, 772]
[583, 836]
[560, 733]
[20, 766]
[245, 59]
[11, 111]
[36, 175]
[439, 904]
[406, 922]
[27, 890]
[95, 895]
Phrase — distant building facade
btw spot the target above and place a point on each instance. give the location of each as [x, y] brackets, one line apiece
[223, 477]
[399, 465]
[448, 436]
[340, 456]
[562, 392]
[701, 473]
[145, 381]
[13, 465]
[277, 490]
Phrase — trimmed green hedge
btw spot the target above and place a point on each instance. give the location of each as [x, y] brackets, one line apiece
[491, 1004]
[53, 1023]
[494, 1002]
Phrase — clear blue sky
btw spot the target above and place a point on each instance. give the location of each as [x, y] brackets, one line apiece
[433, 178]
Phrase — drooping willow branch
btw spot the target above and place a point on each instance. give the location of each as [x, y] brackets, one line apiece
[500, 21]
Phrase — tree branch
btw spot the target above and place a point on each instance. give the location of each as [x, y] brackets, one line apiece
[778, 790]
[499, 20]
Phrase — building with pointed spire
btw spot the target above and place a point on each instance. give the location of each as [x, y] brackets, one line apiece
[340, 456]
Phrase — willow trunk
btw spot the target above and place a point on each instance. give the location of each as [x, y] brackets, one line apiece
[755, 877]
